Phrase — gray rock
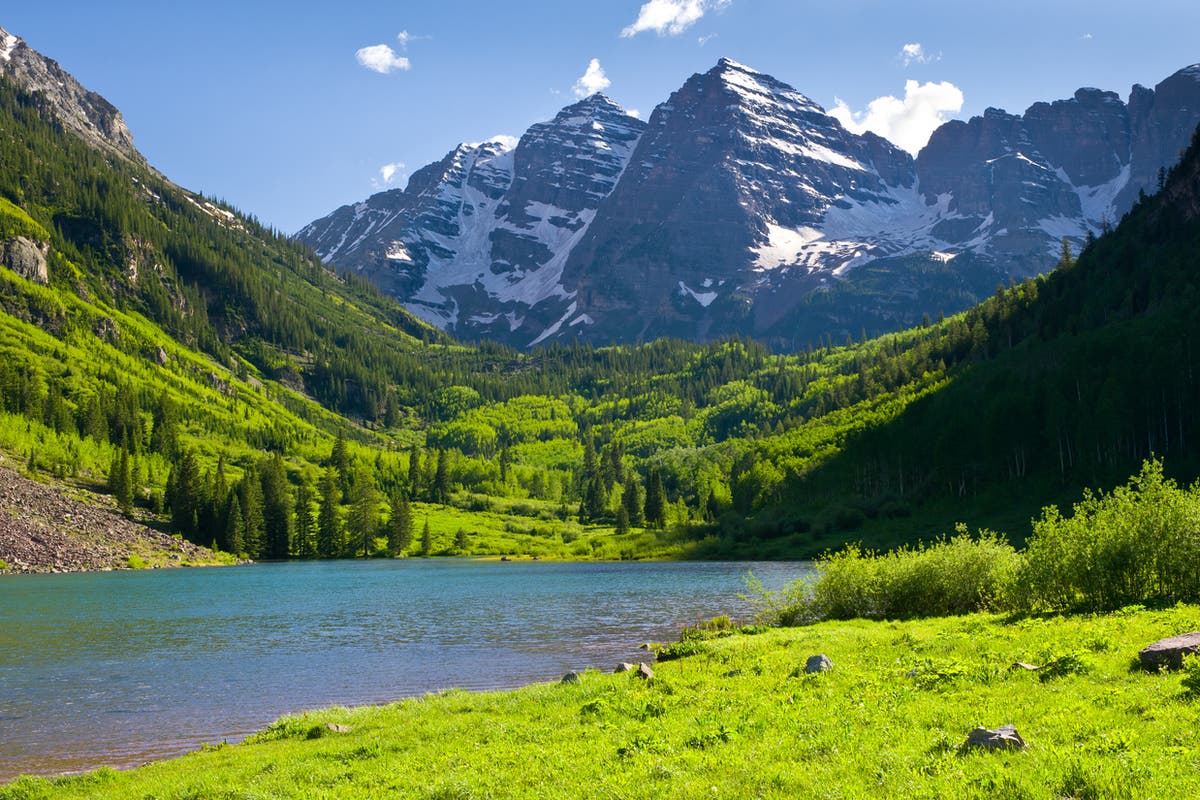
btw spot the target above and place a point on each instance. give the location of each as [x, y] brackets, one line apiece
[624, 666]
[27, 258]
[334, 727]
[817, 663]
[644, 672]
[570, 677]
[1003, 738]
[1169, 652]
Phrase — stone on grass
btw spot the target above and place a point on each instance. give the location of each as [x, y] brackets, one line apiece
[817, 663]
[1169, 652]
[644, 672]
[1003, 738]
[624, 666]
[335, 727]
[570, 677]
[1023, 665]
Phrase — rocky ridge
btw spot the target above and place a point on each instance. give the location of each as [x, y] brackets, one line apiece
[742, 207]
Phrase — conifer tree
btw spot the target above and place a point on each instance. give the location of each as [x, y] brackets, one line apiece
[305, 527]
[622, 527]
[234, 527]
[441, 480]
[426, 539]
[120, 481]
[364, 514]
[399, 527]
[250, 496]
[329, 528]
[631, 500]
[656, 500]
[277, 513]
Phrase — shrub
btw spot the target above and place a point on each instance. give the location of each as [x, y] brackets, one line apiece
[136, 562]
[1138, 544]
[951, 576]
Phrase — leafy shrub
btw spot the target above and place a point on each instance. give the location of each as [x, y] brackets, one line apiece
[1191, 676]
[955, 576]
[1139, 544]
[136, 562]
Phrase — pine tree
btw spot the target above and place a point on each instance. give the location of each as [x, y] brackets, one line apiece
[414, 473]
[460, 541]
[234, 527]
[277, 512]
[622, 521]
[329, 529]
[426, 539]
[631, 500]
[305, 527]
[250, 496]
[399, 527]
[441, 480]
[120, 481]
[656, 500]
[364, 514]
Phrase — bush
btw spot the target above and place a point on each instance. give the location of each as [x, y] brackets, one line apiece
[956, 576]
[1139, 544]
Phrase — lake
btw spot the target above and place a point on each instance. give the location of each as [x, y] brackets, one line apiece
[119, 668]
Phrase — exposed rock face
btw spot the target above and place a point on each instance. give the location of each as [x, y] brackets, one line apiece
[476, 242]
[817, 663]
[27, 258]
[1003, 738]
[744, 208]
[87, 113]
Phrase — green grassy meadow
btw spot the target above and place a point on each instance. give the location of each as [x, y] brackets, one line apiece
[740, 719]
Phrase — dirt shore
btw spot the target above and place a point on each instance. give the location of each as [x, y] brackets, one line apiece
[58, 528]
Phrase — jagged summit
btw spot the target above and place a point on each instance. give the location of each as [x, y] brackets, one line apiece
[86, 113]
[741, 206]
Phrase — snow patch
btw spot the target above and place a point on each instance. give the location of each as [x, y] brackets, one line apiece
[703, 298]
[10, 44]
[553, 329]
[396, 251]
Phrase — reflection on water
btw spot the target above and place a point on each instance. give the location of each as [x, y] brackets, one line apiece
[120, 668]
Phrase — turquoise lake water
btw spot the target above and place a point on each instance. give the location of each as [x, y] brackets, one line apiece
[123, 667]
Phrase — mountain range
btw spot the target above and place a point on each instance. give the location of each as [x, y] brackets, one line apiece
[742, 207]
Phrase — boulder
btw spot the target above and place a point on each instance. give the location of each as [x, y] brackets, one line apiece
[817, 663]
[334, 727]
[1169, 652]
[27, 258]
[644, 672]
[1003, 738]
[624, 666]
[570, 677]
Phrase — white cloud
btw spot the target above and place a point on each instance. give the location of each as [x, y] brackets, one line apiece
[703, 40]
[381, 58]
[671, 17]
[505, 141]
[1087, 36]
[592, 81]
[389, 171]
[915, 51]
[633, 112]
[907, 123]
[405, 37]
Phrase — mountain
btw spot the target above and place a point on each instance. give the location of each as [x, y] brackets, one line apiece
[742, 207]
[478, 240]
[84, 112]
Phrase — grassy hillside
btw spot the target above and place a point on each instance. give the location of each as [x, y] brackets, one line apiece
[738, 718]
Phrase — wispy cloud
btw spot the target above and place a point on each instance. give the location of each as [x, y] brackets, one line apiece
[405, 37]
[703, 40]
[1087, 36]
[915, 51]
[671, 17]
[592, 80]
[382, 59]
[906, 122]
[389, 171]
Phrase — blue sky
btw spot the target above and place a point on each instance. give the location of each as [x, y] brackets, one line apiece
[290, 109]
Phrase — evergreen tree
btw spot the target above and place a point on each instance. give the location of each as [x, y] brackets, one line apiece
[185, 496]
[329, 528]
[460, 541]
[414, 473]
[339, 459]
[277, 512]
[234, 527]
[305, 527]
[364, 514]
[656, 500]
[622, 521]
[631, 500]
[250, 495]
[426, 539]
[399, 527]
[441, 480]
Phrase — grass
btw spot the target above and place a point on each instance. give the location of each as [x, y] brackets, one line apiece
[738, 718]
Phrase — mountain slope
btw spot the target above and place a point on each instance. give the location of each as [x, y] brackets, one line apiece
[746, 209]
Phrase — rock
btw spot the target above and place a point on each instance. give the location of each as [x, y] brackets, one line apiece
[27, 258]
[1024, 666]
[570, 677]
[646, 646]
[161, 356]
[817, 663]
[1003, 738]
[334, 727]
[644, 672]
[624, 666]
[733, 673]
[1169, 652]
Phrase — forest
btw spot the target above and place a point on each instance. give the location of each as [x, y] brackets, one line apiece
[217, 378]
